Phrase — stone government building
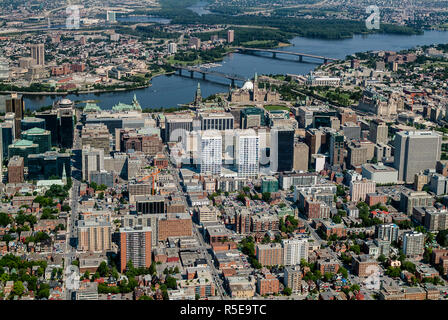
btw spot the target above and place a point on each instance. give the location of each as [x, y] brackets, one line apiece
[250, 92]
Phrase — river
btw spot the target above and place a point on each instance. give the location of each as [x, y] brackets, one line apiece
[170, 91]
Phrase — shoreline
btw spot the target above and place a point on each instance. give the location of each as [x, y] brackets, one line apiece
[58, 93]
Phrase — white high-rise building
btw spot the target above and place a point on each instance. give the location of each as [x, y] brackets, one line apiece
[111, 17]
[295, 250]
[247, 147]
[413, 243]
[92, 160]
[172, 47]
[4, 69]
[210, 152]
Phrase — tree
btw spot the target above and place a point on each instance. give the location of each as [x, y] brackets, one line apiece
[355, 287]
[382, 258]
[355, 248]
[328, 276]
[409, 266]
[336, 219]
[442, 238]
[171, 282]
[287, 291]
[152, 268]
[44, 291]
[266, 196]
[18, 288]
[343, 272]
[4, 219]
[103, 270]
[393, 272]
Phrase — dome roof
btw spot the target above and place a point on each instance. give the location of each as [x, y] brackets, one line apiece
[65, 102]
[248, 85]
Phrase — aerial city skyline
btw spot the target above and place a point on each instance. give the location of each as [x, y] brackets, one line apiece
[223, 150]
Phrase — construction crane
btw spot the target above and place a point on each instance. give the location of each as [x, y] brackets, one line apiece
[154, 177]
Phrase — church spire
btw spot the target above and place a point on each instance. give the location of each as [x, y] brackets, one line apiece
[64, 175]
[198, 96]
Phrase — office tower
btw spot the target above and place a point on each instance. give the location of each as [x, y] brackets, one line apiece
[51, 124]
[102, 177]
[378, 132]
[387, 232]
[293, 278]
[66, 128]
[216, 121]
[48, 164]
[38, 53]
[301, 156]
[351, 131]
[22, 148]
[15, 170]
[316, 140]
[294, 251]
[94, 235]
[282, 150]
[230, 36]
[32, 122]
[416, 151]
[305, 117]
[210, 152]
[246, 153]
[135, 246]
[39, 136]
[413, 243]
[97, 136]
[410, 199]
[172, 48]
[359, 189]
[16, 105]
[147, 204]
[7, 135]
[336, 149]
[356, 154]
[92, 160]
[176, 125]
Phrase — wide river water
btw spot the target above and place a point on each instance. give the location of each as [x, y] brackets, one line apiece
[170, 91]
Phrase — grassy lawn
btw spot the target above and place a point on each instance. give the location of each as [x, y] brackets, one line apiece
[275, 107]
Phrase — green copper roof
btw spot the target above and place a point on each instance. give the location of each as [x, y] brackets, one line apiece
[23, 143]
[128, 107]
[35, 131]
[91, 107]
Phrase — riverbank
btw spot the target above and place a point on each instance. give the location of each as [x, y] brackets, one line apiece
[95, 91]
